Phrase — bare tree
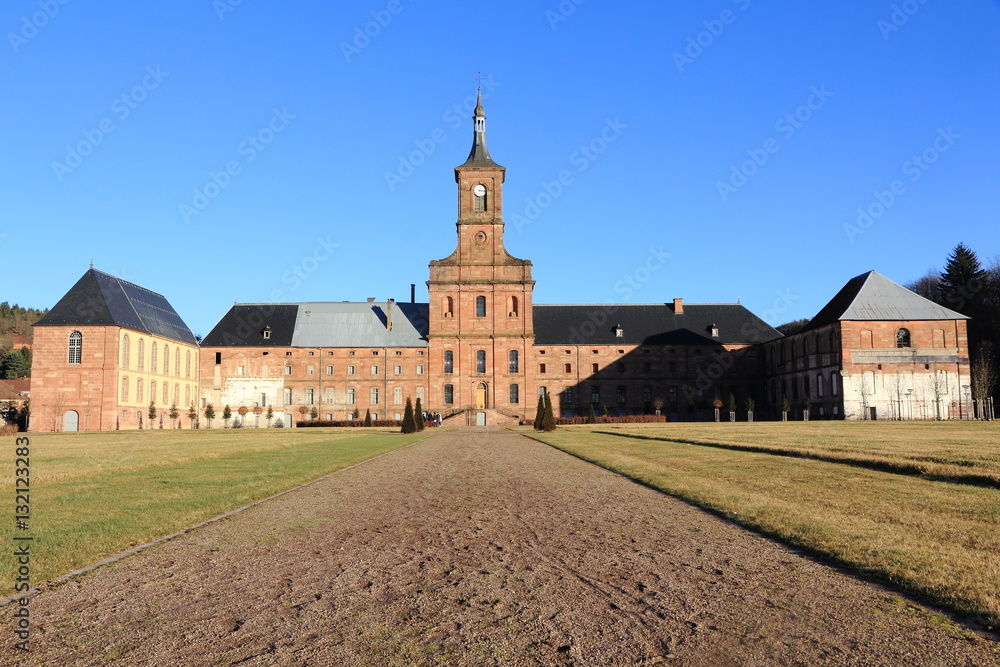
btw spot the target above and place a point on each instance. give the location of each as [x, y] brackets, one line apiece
[939, 388]
[984, 377]
[864, 390]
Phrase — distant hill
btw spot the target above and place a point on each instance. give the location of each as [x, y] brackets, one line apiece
[16, 321]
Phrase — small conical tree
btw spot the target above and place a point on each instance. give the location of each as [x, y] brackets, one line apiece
[227, 414]
[269, 415]
[418, 415]
[152, 413]
[549, 421]
[368, 417]
[539, 413]
[174, 413]
[192, 415]
[409, 423]
[591, 417]
[209, 414]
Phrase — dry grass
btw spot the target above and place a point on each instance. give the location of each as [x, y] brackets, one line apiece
[97, 494]
[939, 540]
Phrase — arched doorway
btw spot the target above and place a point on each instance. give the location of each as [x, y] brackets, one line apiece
[481, 396]
[71, 421]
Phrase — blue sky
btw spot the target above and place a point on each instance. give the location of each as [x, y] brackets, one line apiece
[221, 151]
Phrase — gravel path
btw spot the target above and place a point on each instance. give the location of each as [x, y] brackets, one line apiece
[481, 548]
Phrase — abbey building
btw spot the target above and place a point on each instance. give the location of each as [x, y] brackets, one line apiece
[481, 351]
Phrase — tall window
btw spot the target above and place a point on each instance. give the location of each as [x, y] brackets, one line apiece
[480, 361]
[397, 395]
[515, 393]
[140, 362]
[350, 396]
[420, 394]
[513, 306]
[166, 393]
[124, 389]
[397, 369]
[449, 394]
[287, 396]
[903, 338]
[567, 397]
[309, 395]
[187, 364]
[449, 361]
[187, 395]
[480, 306]
[449, 307]
[75, 347]
[374, 396]
[595, 394]
[177, 362]
[177, 394]
[621, 396]
[420, 369]
[350, 370]
[514, 361]
[152, 392]
[479, 200]
[125, 351]
[138, 390]
[152, 357]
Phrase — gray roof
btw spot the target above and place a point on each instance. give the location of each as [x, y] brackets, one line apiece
[101, 299]
[321, 324]
[871, 296]
[649, 324]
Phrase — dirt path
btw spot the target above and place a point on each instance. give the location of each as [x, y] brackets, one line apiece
[481, 548]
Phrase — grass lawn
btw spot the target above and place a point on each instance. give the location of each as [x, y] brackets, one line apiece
[96, 494]
[938, 538]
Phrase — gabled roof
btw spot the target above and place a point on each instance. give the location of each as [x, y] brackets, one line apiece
[871, 296]
[103, 300]
[321, 324]
[649, 324]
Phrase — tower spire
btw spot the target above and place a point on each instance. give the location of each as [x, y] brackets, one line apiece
[479, 156]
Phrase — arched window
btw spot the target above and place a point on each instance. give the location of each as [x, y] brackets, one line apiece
[480, 361]
[449, 307]
[138, 390]
[187, 395]
[166, 362]
[819, 385]
[140, 362]
[903, 338]
[177, 394]
[177, 362]
[479, 199]
[513, 306]
[152, 392]
[152, 359]
[125, 351]
[124, 389]
[480, 306]
[187, 364]
[514, 362]
[166, 393]
[449, 361]
[75, 347]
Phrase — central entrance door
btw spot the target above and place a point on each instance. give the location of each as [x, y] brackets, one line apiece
[481, 397]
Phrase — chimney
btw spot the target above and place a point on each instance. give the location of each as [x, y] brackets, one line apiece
[413, 293]
[388, 314]
[678, 306]
[371, 299]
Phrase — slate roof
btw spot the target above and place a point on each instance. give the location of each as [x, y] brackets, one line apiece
[872, 296]
[103, 300]
[321, 324]
[649, 324]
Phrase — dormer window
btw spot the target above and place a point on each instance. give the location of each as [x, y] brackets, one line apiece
[267, 333]
[713, 330]
[619, 332]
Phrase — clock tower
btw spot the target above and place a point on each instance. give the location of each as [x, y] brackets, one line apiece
[480, 308]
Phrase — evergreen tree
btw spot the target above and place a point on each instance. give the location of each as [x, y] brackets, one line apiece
[314, 413]
[591, 417]
[269, 415]
[539, 412]
[209, 414]
[418, 414]
[549, 421]
[962, 281]
[15, 364]
[174, 413]
[409, 423]
[368, 417]
[227, 414]
[152, 413]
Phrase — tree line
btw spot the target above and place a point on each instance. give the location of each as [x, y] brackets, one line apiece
[15, 320]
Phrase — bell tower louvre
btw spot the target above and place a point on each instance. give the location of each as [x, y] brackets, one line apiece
[480, 310]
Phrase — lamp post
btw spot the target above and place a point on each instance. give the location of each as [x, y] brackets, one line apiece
[44, 405]
[965, 387]
[909, 401]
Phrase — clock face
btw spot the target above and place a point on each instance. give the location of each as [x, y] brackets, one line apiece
[480, 238]
[479, 190]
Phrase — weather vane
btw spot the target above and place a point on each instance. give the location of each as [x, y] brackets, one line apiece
[479, 79]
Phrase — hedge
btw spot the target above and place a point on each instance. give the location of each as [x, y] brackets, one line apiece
[395, 423]
[627, 419]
